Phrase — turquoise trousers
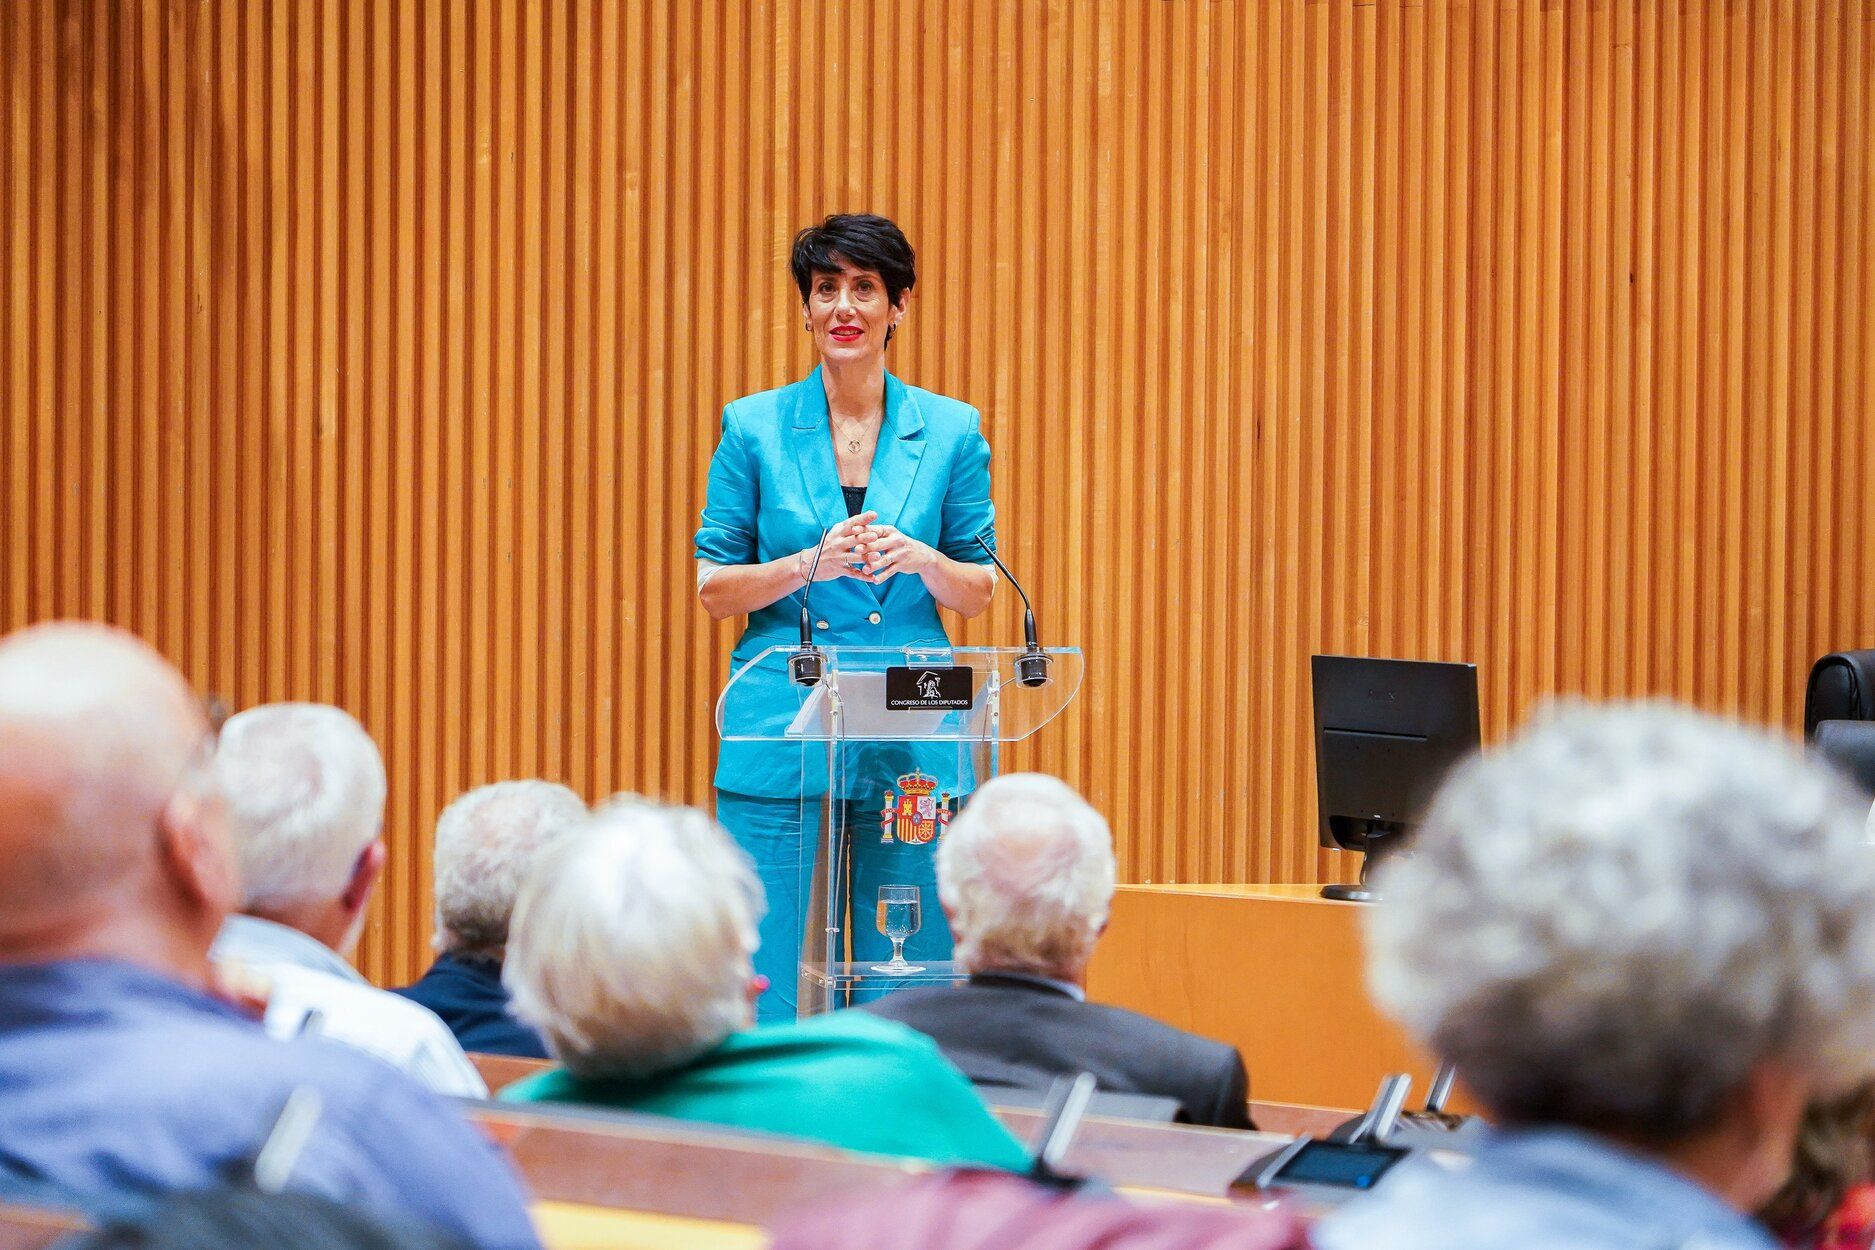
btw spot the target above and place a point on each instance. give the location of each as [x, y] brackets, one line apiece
[782, 837]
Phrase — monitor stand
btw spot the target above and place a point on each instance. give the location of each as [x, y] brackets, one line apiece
[1380, 840]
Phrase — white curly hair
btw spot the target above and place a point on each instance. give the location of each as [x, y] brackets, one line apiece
[486, 840]
[1026, 873]
[631, 944]
[1611, 921]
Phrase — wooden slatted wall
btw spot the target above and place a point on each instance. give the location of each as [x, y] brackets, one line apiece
[371, 352]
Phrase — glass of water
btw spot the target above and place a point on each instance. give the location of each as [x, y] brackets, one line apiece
[898, 919]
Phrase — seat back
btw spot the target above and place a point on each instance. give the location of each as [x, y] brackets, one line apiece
[1850, 746]
[1842, 687]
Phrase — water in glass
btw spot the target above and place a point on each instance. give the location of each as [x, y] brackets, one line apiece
[898, 917]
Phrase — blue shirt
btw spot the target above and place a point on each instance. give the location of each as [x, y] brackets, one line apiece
[1541, 1189]
[116, 1079]
[469, 996]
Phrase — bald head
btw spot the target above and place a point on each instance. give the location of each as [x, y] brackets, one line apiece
[97, 734]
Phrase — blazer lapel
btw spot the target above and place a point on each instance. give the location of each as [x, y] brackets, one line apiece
[901, 447]
[810, 440]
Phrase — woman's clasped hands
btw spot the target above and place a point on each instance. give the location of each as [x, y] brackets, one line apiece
[862, 547]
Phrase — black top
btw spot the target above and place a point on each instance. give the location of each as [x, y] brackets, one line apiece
[468, 995]
[855, 499]
[1004, 1031]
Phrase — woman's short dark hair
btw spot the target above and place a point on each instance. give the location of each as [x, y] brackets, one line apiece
[860, 240]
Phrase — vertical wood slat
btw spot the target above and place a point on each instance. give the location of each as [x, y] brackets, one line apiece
[372, 353]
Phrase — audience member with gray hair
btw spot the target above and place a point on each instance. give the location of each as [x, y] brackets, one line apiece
[486, 841]
[305, 789]
[631, 951]
[1647, 938]
[124, 1070]
[1026, 877]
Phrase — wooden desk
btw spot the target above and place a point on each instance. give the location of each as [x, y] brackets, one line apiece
[1274, 970]
[569, 1226]
[1177, 1159]
[666, 1167]
[562, 1226]
[660, 1166]
[1289, 1119]
[561, 1161]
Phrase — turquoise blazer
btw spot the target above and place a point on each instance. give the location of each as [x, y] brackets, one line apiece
[774, 486]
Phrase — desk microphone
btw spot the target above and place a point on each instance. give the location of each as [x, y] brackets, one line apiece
[808, 664]
[1032, 664]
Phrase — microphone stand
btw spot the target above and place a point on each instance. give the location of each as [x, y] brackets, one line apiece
[1032, 665]
[808, 664]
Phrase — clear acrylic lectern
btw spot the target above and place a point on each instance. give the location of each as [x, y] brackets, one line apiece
[890, 744]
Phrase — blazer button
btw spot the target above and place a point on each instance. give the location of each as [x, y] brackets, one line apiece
[820, 624]
[875, 618]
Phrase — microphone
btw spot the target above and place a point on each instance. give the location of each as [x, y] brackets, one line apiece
[808, 664]
[1032, 664]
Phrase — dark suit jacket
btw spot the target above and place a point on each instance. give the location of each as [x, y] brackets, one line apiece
[1007, 1031]
[468, 995]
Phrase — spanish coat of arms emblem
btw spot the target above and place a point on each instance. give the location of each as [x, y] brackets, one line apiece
[916, 812]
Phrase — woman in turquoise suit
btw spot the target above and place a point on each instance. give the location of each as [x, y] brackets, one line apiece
[898, 479]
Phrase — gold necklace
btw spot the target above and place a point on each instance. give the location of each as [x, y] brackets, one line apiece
[852, 444]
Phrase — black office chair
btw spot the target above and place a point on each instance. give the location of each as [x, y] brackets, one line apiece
[1842, 687]
[1850, 746]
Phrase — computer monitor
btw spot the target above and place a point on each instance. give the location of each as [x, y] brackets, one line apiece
[1386, 734]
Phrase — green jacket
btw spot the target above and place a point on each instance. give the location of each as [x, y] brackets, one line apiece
[846, 1079]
